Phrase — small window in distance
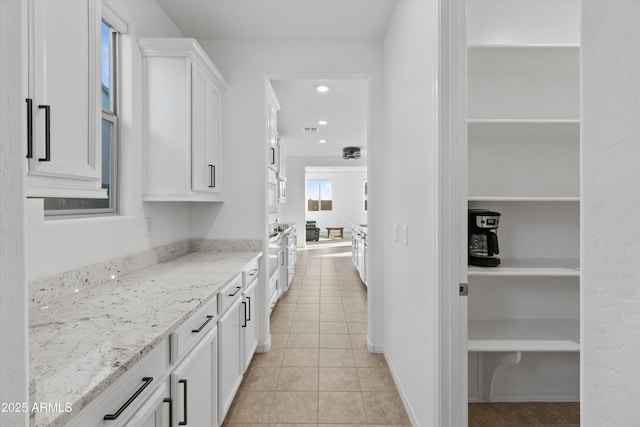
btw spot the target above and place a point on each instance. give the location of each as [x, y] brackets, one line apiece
[366, 195]
[319, 195]
[108, 85]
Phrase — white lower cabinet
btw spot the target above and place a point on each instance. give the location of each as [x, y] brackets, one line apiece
[156, 411]
[250, 325]
[194, 385]
[230, 356]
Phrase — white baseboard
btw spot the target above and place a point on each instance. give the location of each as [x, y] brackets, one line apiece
[403, 394]
[265, 346]
[528, 394]
[374, 348]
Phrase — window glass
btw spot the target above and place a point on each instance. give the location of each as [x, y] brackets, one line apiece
[319, 195]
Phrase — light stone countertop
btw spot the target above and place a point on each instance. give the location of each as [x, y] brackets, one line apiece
[81, 344]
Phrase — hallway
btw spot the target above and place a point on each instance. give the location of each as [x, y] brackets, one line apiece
[318, 371]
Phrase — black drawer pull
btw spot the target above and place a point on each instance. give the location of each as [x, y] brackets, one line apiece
[253, 272]
[244, 304]
[47, 133]
[212, 170]
[209, 318]
[273, 156]
[184, 422]
[238, 288]
[147, 381]
[249, 309]
[170, 402]
[29, 128]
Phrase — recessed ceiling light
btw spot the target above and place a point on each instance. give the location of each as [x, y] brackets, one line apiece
[322, 122]
[322, 88]
[322, 141]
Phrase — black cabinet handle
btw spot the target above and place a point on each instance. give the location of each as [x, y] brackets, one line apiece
[29, 128]
[249, 309]
[238, 288]
[212, 170]
[184, 422]
[209, 318]
[147, 381]
[170, 402]
[47, 133]
[244, 304]
[273, 156]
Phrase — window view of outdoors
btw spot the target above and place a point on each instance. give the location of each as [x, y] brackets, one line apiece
[319, 195]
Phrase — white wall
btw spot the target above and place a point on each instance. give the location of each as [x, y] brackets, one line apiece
[610, 205]
[13, 286]
[410, 196]
[348, 200]
[56, 245]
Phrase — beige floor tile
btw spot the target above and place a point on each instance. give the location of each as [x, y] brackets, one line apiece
[306, 316]
[280, 327]
[330, 292]
[333, 328]
[294, 407]
[303, 341]
[286, 307]
[336, 358]
[301, 357]
[251, 407]
[261, 378]
[289, 298]
[356, 317]
[341, 407]
[376, 379]
[364, 359]
[335, 341]
[355, 308]
[304, 292]
[282, 316]
[358, 328]
[273, 357]
[298, 379]
[359, 342]
[332, 316]
[352, 300]
[339, 379]
[384, 408]
[279, 340]
[305, 328]
[308, 307]
[331, 300]
[245, 425]
[331, 308]
[309, 300]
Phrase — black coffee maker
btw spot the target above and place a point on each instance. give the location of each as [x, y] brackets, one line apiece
[483, 238]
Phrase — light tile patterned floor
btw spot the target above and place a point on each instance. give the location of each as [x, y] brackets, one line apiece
[318, 371]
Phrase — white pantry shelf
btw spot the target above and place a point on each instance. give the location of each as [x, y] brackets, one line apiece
[548, 335]
[530, 267]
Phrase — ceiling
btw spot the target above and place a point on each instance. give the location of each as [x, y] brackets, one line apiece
[280, 19]
[344, 107]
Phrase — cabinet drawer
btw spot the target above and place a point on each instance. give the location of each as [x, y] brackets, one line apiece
[126, 396]
[250, 273]
[230, 293]
[190, 332]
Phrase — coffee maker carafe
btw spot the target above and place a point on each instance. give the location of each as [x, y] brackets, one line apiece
[483, 238]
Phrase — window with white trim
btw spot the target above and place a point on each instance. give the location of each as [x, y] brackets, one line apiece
[319, 195]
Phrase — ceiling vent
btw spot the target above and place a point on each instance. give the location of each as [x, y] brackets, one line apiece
[351, 153]
[311, 129]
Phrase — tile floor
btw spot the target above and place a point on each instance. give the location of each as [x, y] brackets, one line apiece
[318, 371]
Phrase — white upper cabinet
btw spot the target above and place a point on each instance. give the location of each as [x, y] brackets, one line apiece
[63, 100]
[273, 155]
[183, 108]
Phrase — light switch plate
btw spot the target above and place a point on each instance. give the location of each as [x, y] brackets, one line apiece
[395, 232]
[405, 234]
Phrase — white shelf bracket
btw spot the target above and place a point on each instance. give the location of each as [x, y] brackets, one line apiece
[492, 362]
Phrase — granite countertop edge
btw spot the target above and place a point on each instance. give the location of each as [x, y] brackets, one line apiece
[146, 278]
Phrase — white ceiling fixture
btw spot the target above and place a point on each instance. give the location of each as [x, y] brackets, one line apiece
[323, 141]
[280, 19]
[322, 88]
[322, 122]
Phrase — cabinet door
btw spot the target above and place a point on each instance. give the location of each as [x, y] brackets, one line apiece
[194, 385]
[272, 143]
[205, 132]
[230, 356]
[64, 41]
[156, 411]
[250, 325]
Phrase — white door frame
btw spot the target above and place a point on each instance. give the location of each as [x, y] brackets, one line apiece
[452, 353]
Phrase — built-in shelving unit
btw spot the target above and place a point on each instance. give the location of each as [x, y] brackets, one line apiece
[524, 162]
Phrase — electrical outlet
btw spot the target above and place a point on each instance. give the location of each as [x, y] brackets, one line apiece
[395, 232]
[147, 232]
[405, 234]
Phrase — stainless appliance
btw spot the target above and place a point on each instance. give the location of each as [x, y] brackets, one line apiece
[483, 238]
